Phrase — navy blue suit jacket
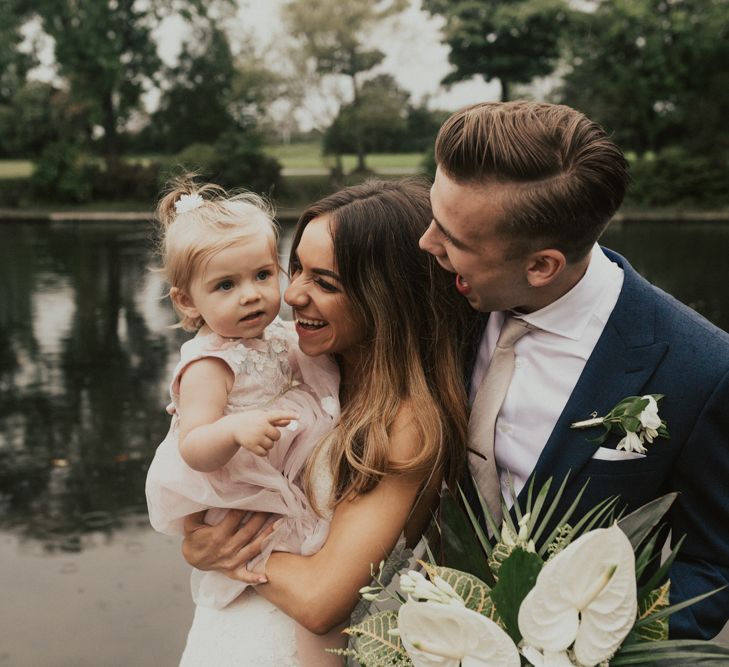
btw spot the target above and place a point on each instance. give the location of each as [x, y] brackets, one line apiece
[653, 344]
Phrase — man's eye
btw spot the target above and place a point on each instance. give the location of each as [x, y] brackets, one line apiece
[263, 275]
[226, 285]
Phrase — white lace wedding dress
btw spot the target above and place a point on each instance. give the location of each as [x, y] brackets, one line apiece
[251, 631]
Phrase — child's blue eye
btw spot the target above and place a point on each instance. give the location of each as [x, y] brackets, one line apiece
[226, 285]
[263, 275]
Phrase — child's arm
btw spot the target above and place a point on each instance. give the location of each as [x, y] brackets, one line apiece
[208, 438]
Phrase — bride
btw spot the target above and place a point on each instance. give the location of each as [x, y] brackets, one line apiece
[362, 291]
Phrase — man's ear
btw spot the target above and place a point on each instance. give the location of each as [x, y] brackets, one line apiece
[184, 303]
[545, 266]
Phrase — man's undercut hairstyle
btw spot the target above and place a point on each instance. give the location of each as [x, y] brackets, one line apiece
[564, 177]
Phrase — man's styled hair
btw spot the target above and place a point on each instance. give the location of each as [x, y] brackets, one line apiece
[564, 176]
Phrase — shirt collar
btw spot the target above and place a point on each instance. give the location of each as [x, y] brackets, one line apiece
[569, 315]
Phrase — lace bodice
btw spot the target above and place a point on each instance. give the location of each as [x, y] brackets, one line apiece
[260, 365]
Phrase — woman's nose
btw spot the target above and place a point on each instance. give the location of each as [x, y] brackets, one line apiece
[294, 294]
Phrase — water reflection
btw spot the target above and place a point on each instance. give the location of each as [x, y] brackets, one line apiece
[86, 353]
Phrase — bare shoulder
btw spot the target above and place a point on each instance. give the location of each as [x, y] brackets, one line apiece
[206, 371]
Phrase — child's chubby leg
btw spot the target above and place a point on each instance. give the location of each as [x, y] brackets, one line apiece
[311, 647]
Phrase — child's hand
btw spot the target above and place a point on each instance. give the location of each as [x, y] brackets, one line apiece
[257, 430]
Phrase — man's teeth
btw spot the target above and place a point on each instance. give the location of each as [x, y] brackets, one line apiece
[310, 323]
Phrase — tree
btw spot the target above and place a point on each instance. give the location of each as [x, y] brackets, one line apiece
[512, 41]
[653, 72]
[106, 52]
[14, 64]
[194, 106]
[330, 41]
[378, 122]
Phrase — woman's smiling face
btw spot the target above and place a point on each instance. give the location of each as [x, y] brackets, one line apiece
[325, 319]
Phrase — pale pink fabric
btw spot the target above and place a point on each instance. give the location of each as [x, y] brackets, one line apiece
[270, 372]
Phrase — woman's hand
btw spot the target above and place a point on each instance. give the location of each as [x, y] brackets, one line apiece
[228, 546]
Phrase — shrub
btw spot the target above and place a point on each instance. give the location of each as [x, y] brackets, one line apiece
[195, 157]
[675, 177]
[241, 163]
[61, 174]
[126, 181]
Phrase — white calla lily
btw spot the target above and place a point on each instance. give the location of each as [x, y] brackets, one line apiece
[587, 595]
[438, 635]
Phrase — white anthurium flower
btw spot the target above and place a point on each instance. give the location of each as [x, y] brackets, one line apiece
[649, 417]
[632, 443]
[546, 659]
[438, 635]
[586, 594]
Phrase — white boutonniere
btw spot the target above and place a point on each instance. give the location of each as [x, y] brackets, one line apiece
[636, 418]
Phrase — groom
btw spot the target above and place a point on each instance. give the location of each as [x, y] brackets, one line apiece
[521, 195]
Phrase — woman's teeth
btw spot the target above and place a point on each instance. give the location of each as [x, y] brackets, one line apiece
[310, 324]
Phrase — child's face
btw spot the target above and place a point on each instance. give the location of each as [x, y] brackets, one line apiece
[237, 291]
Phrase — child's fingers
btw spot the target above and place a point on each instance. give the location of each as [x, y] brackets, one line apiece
[280, 417]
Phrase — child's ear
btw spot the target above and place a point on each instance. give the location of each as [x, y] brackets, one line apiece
[184, 303]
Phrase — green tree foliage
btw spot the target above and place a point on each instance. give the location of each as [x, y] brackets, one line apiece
[511, 41]
[106, 52]
[14, 64]
[384, 121]
[654, 72]
[197, 91]
[330, 40]
[376, 122]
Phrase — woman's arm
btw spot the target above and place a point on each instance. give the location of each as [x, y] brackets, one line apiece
[320, 591]
[208, 440]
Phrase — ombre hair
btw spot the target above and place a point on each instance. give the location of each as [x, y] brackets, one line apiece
[190, 238]
[413, 320]
[563, 176]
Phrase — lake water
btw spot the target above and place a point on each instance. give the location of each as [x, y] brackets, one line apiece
[85, 356]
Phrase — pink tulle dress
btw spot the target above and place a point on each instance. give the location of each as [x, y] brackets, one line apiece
[270, 372]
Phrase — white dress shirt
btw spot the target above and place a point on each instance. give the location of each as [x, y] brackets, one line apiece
[548, 363]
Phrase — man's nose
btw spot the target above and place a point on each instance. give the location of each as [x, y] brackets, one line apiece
[427, 240]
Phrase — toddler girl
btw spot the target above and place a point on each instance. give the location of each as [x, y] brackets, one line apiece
[248, 407]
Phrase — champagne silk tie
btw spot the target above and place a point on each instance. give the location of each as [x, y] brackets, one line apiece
[486, 406]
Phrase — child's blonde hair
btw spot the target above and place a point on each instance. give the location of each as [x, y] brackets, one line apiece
[200, 220]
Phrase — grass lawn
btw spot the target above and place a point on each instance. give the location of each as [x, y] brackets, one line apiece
[15, 168]
[308, 156]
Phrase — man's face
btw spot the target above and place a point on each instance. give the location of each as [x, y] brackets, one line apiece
[464, 238]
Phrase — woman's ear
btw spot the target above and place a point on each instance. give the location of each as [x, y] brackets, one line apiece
[183, 302]
[545, 266]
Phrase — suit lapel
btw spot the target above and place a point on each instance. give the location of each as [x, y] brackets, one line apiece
[623, 360]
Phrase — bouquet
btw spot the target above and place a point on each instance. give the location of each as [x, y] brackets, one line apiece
[592, 594]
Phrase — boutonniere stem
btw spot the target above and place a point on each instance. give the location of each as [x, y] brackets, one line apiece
[635, 417]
